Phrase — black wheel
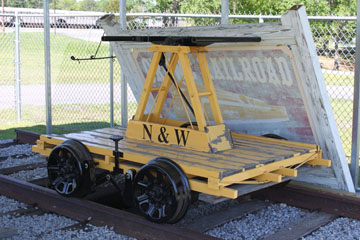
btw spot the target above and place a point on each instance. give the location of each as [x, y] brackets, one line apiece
[69, 169]
[162, 191]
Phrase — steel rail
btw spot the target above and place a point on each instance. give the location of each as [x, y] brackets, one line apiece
[315, 198]
[24, 136]
[94, 213]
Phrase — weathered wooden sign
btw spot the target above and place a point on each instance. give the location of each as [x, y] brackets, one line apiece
[257, 87]
[273, 86]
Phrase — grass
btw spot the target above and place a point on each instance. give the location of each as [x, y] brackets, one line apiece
[338, 80]
[65, 118]
[63, 69]
[343, 116]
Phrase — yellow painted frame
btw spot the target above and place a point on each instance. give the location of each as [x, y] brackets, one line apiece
[205, 137]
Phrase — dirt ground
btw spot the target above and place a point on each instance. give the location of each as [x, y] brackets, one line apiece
[328, 63]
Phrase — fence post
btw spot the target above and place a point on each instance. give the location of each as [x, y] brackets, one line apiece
[47, 67]
[111, 88]
[124, 103]
[354, 167]
[261, 20]
[17, 66]
[224, 11]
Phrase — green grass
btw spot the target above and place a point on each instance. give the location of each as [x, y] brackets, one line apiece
[63, 69]
[343, 115]
[65, 118]
[338, 80]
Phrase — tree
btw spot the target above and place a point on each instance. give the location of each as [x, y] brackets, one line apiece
[24, 3]
[102, 4]
[131, 6]
[66, 4]
[88, 5]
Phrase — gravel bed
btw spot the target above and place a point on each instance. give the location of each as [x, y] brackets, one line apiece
[339, 229]
[199, 208]
[18, 149]
[8, 204]
[89, 232]
[256, 225]
[29, 227]
[6, 141]
[28, 175]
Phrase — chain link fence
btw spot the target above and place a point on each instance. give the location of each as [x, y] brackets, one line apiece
[80, 89]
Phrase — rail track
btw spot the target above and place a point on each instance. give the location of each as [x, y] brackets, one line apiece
[321, 206]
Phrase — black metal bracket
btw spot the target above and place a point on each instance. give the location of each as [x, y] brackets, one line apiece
[116, 152]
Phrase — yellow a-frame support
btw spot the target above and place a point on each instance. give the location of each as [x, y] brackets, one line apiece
[151, 127]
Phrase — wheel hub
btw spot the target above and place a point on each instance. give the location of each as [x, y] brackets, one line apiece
[161, 191]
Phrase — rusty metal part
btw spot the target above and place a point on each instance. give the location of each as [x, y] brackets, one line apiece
[31, 166]
[24, 136]
[316, 198]
[96, 214]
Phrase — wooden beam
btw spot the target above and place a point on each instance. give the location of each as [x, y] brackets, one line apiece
[286, 172]
[315, 96]
[269, 177]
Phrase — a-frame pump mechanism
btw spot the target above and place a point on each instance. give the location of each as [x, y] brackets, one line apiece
[200, 135]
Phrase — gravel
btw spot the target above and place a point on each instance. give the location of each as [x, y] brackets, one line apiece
[89, 232]
[339, 229]
[199, 209]
[259, 224]
[8, 204]
[18, 149]
[28, 227]
[6, 141]
[28, 175]
[48, 225]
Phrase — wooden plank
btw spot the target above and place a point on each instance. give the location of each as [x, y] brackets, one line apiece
[265, 30]
[223, 161]
[315, 96]
[242, 189]
[272, 140]
[243, 139]
[302, 227]
[286, 172]
[278, 145]
[241, 157]
[208, 222]
[269, 177]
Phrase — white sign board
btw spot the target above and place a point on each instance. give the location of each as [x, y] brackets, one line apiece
[274, 86]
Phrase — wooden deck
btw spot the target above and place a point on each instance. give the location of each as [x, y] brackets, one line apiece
[250, 158]
[248, 152]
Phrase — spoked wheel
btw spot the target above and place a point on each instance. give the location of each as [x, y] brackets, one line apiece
[68, 164]
[162, 191]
